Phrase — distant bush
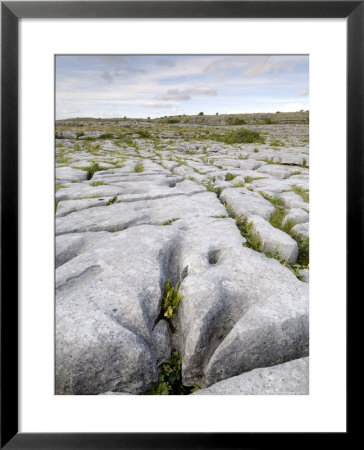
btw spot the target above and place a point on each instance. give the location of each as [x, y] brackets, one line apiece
[106, 136]
[235, 121]
[201, 113]
[144, 134]
[172, 121]
[242, 136]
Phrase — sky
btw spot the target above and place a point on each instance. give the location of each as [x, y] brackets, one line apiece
[164, 85]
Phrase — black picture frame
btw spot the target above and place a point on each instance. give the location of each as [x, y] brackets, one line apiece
[11, 12]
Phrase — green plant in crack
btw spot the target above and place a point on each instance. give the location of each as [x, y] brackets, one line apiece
[245, 227]
[287, 227]
[111, 201]
[277, 216]
[97, 183]
[302, 192]
[276, 143]
[303, 243]
[170, 221]
[209, 186]
[60, 186]
[139, 167]
[249, 179]
[294, 268]
[170, 378]
[276, 201]
[242, 136]
[171, 299]
[229, 176]
[92, 169]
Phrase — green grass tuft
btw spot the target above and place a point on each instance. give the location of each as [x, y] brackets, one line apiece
[139, 167]
[170, 378]
[277, 217]
[60, 186]
[276, 201]
[302, 192]
[111, 201]
[239, 184]
[171, 299]
[229, 176]
[170, 221]
[92, 169]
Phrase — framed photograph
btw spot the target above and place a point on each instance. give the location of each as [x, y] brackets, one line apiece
[179, 216]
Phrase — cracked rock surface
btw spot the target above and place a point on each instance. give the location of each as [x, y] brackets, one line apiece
[153, 202]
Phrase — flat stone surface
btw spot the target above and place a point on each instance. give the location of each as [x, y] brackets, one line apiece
[120, 216]
[69, 174]
[301, 228]
[296, 215]
[246, 311]
[274, 240]
[148, 217]
[290, 378]
[244, 202]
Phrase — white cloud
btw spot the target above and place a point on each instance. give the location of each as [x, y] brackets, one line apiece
[157, 105]
[173, 94]
[266, 64]
[176, 94]
[303, 93]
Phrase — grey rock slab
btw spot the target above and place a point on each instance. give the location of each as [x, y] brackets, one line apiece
[276, 171]
[245, 311]
[228, 163]
[302, 228]
[292, 200]
[68, 206]
[296, 215]
[105, 165]
[223, 184]
[169, 165]
[305, 275]
[71, 245]
[185, 171]
[287, 158]
[149, 168]
[82, 163]
[119, 216]
[244, 202]
[274, 240]
[69, 174]
[93, 134]
[107, 301]
[203, 242]
[84, 190]
[290, 378]
[117, 176]
[115, 393]
[270, 185]
[250, 164]
[150, 187]
[162, 341]
[66, 135]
